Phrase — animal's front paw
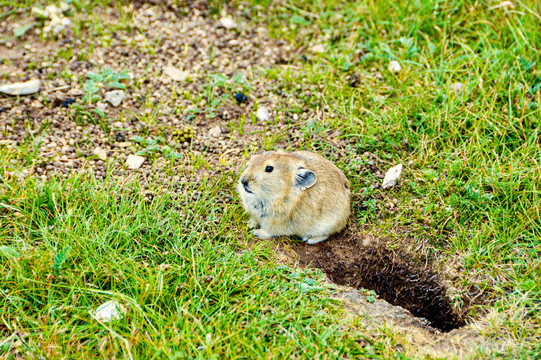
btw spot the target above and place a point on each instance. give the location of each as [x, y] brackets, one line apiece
[261, 233]
[311, 240]
[252, 224]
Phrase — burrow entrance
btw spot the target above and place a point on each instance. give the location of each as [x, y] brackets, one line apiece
[348, 259]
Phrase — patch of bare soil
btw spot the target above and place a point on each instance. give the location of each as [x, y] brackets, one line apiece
[365, 263]
[412, 296]
[63, 129]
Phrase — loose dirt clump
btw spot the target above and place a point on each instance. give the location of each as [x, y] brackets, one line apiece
[361, 262]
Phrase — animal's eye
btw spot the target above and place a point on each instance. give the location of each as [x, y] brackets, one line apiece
[269, 169]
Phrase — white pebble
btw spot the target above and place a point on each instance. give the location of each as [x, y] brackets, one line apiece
[228, 23]
[392, 176]
[57, 24]
[135, 161]
[24, 88]
[262, 114]
[318, 48]
[109, 311]
[394, 67]
[100, 153]
[115, 97]
[101, 106]
[215, 131]
[457, 87]
[174, 73]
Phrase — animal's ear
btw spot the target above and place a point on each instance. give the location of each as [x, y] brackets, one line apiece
[305, 178]
[250, 160]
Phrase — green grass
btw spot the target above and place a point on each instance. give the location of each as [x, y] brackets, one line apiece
[191, 289]
[470, 193]
[474, 156]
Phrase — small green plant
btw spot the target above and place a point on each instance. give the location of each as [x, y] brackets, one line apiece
[192, 113]
[153, 146]
[66, 75]
[82, 115]
[211, 93]
[103, 80]
[21, 30]
[238, 124]
[59, 258]
[217, 91]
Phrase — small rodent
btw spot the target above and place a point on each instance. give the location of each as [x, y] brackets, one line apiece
[298, 193]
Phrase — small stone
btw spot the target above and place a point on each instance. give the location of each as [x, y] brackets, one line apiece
[135, 161]
[101, 106]
[115, 97]
[52, 10]
[175, 74]
[67, 102]
[318, 49]
[100, 153]
[57, 24]
[392, 176]
[119, 137]
[262, 114]
[354, 80]
[24, 88]
[394, 67]
[36, 104]
[457, 87]
[109, 311]
[64, 7]
[215, 131]
[228, 23]
[240, 97]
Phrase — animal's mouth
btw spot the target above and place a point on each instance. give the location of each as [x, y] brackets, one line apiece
[246, 187]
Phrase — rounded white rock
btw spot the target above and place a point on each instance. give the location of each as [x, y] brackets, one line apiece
[394, 67]
[115, 97]
[262, 114]
[135, 161]
[228, 23]
[109, 311]
[392, 176]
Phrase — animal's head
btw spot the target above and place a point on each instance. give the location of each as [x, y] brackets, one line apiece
[275, 175]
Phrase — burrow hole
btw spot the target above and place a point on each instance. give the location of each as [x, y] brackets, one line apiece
[347, 261]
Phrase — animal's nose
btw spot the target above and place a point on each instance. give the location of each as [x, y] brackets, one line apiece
[244, 183]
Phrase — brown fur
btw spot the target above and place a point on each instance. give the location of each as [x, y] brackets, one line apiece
[305, 195]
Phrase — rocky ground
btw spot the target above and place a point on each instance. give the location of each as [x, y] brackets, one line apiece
[182, 73]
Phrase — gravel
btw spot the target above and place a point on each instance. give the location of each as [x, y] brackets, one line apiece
[65, 128]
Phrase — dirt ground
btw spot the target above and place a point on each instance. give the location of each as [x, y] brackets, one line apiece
[70, 140]
[363, 262]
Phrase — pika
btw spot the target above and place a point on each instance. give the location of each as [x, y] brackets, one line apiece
[298, 193]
